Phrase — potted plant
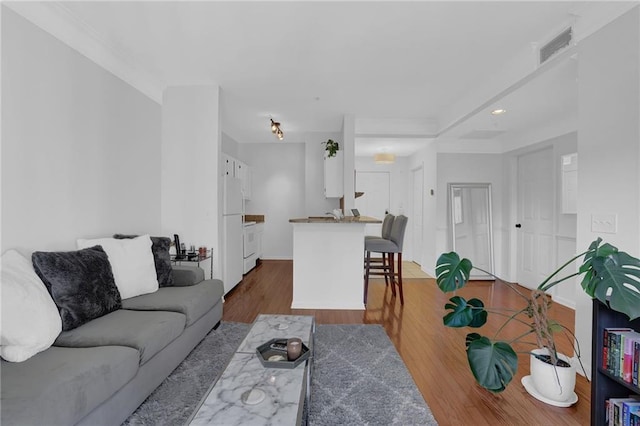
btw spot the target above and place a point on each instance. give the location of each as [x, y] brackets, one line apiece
[332, 147]
[609, 275]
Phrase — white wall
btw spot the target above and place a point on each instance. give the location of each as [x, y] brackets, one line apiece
[278, 191]
[230, 146]
[191, 173]
[608, 144]
[80, 148]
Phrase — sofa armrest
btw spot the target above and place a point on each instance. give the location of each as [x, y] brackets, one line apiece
[187, 275]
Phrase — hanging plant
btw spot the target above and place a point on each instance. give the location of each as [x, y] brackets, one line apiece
[331, 147]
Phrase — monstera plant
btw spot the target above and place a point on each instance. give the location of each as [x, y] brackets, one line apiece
[609, 275]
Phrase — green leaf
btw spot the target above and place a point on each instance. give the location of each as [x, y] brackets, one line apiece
[465, 313]
[554, 326]
[493, 364]
[451, 272]
[617, 273]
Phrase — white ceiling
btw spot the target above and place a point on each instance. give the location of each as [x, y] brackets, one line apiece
[307, 64]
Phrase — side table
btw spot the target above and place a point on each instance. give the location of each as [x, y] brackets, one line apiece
[197, 258]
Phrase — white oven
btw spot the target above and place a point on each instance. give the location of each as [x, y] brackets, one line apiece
[249, 245]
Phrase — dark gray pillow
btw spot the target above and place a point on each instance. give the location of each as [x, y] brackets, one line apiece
[80, 282]
[161, 258]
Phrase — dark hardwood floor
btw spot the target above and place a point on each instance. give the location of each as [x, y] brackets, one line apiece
[434, 355]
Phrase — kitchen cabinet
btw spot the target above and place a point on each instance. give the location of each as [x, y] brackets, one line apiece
[235, 168]
[334, 176]
[229, 165]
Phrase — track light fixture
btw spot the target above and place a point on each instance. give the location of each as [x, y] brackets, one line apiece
[275, 129]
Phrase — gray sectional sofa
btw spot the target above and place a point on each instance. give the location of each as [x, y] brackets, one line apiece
[100, 372]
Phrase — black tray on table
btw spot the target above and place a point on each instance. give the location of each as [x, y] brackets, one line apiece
[279, 347]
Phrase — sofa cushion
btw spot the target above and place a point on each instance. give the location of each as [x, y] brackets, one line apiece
[30, 319]
[80, 282]
[132, 263]
[161, 258]
[187, 275]
[192, 301]
[61, 385]
[147, 331]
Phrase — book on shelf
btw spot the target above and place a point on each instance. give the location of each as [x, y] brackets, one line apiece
[629, 408]
[620, 353]
[636, 361]
[635, 419]
[614, 409]
[627, 340]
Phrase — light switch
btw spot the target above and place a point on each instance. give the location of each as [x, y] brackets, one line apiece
[605, 223]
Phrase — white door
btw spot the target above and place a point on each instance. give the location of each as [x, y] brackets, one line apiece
[416, 213]
[375, 201]
[535, 217]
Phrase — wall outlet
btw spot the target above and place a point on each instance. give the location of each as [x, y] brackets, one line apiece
[605, 223]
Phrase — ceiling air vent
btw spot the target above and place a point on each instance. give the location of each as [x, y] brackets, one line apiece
[555, 45]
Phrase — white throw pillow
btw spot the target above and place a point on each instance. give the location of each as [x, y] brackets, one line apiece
[131, 260]
[30, 320]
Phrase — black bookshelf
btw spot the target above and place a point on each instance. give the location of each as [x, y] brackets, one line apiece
[603, 384]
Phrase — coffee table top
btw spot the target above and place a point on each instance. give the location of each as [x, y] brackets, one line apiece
[284, 389]
[283, 393]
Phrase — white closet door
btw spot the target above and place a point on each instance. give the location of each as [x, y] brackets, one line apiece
[536, 194]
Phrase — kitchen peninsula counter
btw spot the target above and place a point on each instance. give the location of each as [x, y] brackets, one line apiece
[330, 219]
[328, 262]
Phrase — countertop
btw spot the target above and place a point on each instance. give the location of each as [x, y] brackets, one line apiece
[330, 219]
[258, 218]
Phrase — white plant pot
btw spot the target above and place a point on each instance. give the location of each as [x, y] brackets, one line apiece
[554, 383]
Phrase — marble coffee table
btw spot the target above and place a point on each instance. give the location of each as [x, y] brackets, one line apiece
[284, 391]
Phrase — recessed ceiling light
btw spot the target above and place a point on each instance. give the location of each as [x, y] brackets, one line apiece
[498, 111]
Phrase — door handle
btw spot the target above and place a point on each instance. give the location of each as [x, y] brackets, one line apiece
[518, 225]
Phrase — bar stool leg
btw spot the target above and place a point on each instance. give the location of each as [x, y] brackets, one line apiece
[384, 265]
[367, 264]
[392, 273]
[400, 278]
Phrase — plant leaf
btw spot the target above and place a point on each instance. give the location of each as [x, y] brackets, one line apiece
[620, 273]
[493, 364]
[451, 272]
[465, 313]
[554, 326]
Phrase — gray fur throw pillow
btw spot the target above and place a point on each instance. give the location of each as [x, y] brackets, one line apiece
[161, 258]
[80, 282]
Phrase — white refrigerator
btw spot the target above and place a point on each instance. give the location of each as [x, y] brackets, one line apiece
[232, 222]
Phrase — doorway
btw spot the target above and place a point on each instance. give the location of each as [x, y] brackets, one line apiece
[535, 217]
[376, 199]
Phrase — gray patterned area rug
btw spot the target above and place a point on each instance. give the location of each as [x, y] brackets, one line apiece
[359, 379]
